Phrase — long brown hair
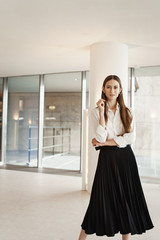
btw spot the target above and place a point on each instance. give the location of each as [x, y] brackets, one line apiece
[125, 113]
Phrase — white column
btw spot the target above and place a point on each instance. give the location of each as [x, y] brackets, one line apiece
[85, 149]
[109, 58]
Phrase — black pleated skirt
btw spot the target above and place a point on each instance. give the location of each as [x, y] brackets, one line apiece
[117, 202]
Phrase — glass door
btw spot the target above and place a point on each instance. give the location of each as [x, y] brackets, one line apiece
[22, 123]
[1, 98]
[147, 111]
[62, 121]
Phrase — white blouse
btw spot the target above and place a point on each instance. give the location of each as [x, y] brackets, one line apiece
[113, 128]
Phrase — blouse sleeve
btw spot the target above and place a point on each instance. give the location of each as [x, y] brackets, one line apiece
[127, 138]
[100, 134]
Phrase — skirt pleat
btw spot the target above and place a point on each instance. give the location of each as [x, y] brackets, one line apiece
[117, 202]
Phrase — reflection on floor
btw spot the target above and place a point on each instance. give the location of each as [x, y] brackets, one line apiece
[67, 161]
[39, 206]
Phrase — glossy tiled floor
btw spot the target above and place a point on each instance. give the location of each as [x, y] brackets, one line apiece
[38, 206]
[66, 161]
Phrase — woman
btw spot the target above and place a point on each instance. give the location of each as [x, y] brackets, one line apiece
[117, 203]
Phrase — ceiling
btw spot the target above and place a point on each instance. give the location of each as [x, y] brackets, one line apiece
[48, 36]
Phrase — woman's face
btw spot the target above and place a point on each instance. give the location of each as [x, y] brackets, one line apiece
[112, 89]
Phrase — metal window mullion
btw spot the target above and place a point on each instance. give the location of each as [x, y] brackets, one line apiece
[132, 87]
[4, 119]
[83, 106]
[41, 120]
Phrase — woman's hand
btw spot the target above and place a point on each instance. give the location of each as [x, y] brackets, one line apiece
[100, 104]
[96, 143]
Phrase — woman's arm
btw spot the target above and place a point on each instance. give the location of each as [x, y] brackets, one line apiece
[99, 132]
[108, 142]
[98, 122]
[102, 120]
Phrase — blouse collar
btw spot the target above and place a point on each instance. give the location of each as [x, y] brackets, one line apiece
[117, 107]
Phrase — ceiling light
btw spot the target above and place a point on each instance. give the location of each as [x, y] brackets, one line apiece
[50, 118]
[20, 104]
[51, 107]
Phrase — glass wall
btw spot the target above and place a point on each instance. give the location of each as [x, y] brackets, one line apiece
[87, 89]
[22, 123]
[1, 98]
[62, 121]
[147, 111]
[63, 115]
